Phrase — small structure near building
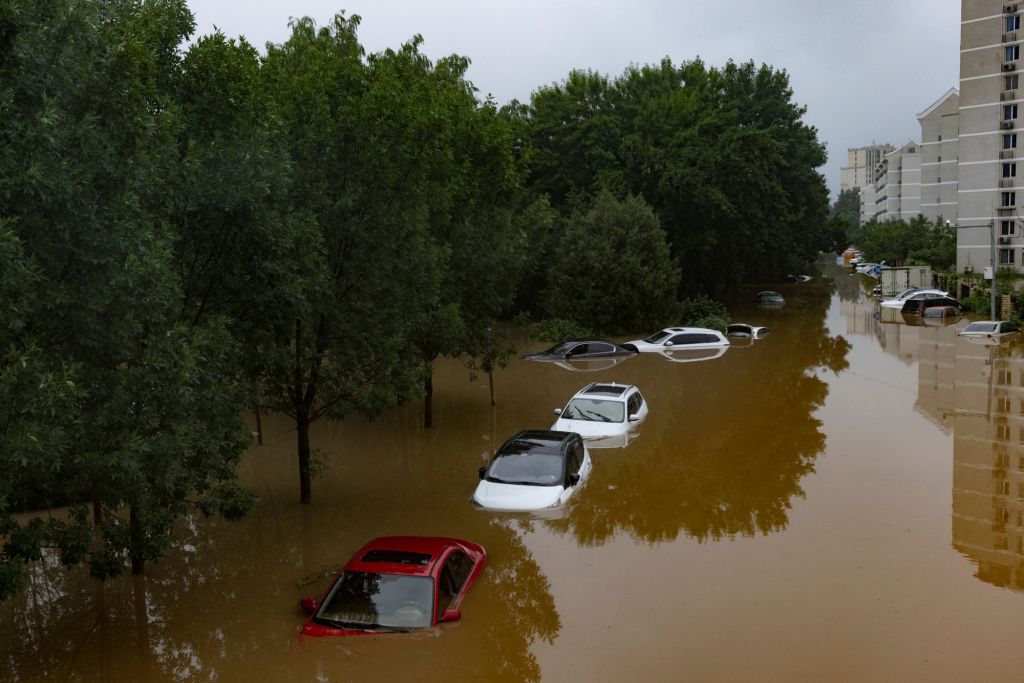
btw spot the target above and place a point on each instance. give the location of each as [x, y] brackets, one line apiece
[895, 280]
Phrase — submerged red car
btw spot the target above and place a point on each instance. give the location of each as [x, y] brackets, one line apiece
[396, 584]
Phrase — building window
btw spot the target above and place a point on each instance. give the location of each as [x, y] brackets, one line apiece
[1012, 53]
[1013, 23]
[1002, 406]
[1006, 257]
[1008, 199]
[1010, 170]
[1011, 82]
[1006, 228]
[1009, 140]
[1009, 112]
[1004, 377]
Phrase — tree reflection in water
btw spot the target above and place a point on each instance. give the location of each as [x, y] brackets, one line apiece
[224, 606]
[734, 456]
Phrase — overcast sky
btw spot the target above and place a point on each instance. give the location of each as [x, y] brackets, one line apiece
[863, 68]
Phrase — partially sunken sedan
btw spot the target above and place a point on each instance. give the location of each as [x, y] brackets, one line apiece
[396, 584]
[534, 470]
[580, 349]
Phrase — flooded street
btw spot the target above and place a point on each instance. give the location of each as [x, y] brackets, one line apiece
[843, 500]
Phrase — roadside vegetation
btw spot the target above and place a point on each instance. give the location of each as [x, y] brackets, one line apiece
[193, 230]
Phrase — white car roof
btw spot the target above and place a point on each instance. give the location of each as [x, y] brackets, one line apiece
[606, 390]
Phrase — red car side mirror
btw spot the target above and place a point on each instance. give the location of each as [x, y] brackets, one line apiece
[451, 615]
[309, 605]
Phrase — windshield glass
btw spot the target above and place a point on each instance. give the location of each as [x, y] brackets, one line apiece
[531, 468]
[980, 327]
[594, 410]
[656, 337]
[907, 293]
[561, 349]
[362, 600]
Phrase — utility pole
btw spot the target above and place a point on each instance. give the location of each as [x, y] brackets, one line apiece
[992, 258]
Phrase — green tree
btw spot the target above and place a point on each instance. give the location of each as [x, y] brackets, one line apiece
[612, 269]
[721, 155]
[86, 171]
[362, 175]
[846, 211]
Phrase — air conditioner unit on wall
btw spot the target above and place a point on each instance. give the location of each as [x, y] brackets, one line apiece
[1006, 154]
[1006, 125]
[1008, 67]
[968, 268]
[1004, 239]
[1010, 8]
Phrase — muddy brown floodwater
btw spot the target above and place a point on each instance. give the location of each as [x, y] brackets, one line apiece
[843, 500]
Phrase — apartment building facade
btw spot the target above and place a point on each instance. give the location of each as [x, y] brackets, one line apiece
[940, 134]
[860, 165]
[990, 194]
[896, 186]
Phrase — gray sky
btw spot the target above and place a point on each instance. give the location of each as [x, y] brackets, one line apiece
[863, 68]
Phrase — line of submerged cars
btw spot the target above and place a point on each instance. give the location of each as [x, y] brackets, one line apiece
[935, 306]
[405, 583]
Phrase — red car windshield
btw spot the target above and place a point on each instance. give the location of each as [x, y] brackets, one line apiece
[369, 601]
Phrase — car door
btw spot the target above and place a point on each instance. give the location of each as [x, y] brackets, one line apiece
[639, 406]
[451, 581]
[573, 465]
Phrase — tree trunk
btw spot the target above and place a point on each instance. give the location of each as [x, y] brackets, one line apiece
[142, 627]
[428, 401]
[135, 539]
[490, 379]
[259, 427]
[305, 475]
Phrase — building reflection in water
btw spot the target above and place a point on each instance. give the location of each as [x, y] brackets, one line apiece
[976, 392]
[988, 460]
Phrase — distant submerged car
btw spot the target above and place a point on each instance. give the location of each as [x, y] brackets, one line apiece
[745, 331]
[770, 299]
[913, 294]
[580, 349]
[679, 338]
[396, 584]
[990, 329]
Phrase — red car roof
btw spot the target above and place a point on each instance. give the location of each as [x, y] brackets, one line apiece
[433, 546]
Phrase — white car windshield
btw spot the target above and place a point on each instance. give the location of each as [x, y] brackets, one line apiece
[657, 337]
[594, 410]
[980, 327]
[534, 469]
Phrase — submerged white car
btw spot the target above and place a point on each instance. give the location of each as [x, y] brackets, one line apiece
[599, 411]
[534, 470]
[914, 295]
[679, 337]
[989, 329]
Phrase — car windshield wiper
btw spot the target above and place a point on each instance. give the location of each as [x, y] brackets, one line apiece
[598, 416]
[357, 625]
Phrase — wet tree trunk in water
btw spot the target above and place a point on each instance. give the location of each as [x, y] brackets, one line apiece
[142, 627]
[428, 400]
[305, 475]
[259, 427]
[136, 542]
[490, 379]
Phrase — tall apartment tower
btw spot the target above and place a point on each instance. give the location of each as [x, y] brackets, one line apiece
[991, 136]
[860, 165]
[940, 133]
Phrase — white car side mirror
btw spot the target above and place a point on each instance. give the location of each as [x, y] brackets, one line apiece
[668, 343]
[634, 418]
[558, 411]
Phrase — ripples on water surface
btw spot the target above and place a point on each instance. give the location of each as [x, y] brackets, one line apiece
[843, 500]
